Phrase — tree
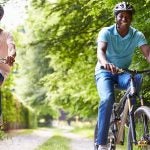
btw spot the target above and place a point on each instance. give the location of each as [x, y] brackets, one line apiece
[65, 34]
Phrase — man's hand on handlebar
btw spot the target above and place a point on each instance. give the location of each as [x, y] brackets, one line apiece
[111, 67]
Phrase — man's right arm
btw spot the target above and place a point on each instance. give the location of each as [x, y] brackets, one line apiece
[101, 55]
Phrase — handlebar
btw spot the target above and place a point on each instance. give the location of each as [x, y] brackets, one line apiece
[133, 72]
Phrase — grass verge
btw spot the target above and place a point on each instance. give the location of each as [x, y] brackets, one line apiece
[2, 135]
[88, 131]
[84, 131]
[56, 142]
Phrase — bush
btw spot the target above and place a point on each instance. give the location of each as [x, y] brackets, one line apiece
[16, 114]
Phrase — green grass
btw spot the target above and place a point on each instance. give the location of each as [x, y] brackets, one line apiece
[11, 133]
[25, 131]
[2, 135]
[56, 142]
[121, 147]
[20, 132]
[86, 131]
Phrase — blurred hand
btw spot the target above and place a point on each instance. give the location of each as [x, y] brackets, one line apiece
[111, 67]
[10, 60]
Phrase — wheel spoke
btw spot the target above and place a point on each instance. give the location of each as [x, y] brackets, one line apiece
[142, 123]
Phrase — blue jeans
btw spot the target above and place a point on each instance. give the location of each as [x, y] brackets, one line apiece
[105, 81]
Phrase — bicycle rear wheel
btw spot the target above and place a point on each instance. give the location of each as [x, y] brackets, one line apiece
[142, 124]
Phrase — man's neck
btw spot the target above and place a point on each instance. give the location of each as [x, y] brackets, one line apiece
[123, 31]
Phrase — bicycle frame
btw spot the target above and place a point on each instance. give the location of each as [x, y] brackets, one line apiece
[128, 110]
[124, 111]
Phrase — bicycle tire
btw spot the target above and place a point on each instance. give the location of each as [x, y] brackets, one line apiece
[142, 123]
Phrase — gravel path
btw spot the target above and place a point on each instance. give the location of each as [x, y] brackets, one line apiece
[33, 140]
[26, 141]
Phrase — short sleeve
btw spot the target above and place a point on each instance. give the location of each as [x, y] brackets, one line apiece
[103, 35]
[141, 39]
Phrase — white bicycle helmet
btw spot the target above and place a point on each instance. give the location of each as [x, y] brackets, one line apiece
[123, 6]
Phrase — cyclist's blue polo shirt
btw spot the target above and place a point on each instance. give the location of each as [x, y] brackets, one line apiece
[120, 49]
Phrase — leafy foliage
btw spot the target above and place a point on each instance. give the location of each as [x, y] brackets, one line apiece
[15, 113]
[60, 52]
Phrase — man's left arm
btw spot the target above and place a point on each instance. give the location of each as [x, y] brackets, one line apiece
[146, 51]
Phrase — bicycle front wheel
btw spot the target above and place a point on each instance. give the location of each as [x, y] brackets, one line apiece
[142, 127]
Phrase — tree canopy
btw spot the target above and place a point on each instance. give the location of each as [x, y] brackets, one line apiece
[57, 52]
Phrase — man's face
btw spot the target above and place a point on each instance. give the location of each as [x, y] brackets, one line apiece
[123, 19]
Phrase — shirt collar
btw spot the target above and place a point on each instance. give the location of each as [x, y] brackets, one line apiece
[116, 32]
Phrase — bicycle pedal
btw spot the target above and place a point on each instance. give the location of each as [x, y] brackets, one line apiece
[142, 143]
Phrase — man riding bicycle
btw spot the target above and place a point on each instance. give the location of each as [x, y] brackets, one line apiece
[116, 46]
[7, 50]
